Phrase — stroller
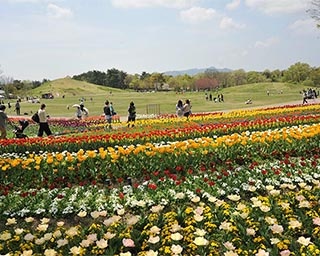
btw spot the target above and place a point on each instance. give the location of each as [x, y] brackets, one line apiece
[18, 131]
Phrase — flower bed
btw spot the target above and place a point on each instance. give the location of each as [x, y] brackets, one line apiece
[247, 187]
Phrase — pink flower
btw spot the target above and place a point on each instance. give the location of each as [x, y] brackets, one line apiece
[127, 242]
[285, 253]
[316, 221]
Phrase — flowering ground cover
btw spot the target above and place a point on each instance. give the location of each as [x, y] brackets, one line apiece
[238, 183]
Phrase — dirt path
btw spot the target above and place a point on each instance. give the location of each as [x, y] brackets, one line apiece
[299, 102]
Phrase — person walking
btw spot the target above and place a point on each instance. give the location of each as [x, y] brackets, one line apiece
[17, 106]
[3, 122]
[43, 122]
[78, 113]
[131, 114]
[108, 114]
[85, 111]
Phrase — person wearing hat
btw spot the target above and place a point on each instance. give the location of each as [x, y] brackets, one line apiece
[43, 122]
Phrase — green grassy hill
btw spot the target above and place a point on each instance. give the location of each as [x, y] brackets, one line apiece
[95, 96]
[70, 87]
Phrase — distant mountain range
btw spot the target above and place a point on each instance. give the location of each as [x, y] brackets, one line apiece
[195, 71]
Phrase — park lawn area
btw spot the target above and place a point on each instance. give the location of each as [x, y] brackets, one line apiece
[95, 96]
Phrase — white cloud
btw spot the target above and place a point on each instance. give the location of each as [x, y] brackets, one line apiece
[58, 12]
[23, 1]
[233, 5]
[305, 26]
[244, 53]
[228, 23]
[32, 1]
[266, 43]
[153, 3]
[197, 14]
[278, 6]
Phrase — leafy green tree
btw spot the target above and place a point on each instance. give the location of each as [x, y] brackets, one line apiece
[133, 81]
[297, 73]
[314, 11]
[276, 75]
[239, 77]
[315, 76]
[144, 75]
[255, 77]
[94, 77]
[157, 80]
[173, 82]
[116, 78]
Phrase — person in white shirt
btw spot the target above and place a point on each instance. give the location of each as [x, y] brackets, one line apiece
[179, 108]
[43, 121]
[187, 109]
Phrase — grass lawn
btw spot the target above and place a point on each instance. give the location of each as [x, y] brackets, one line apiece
[95, 96]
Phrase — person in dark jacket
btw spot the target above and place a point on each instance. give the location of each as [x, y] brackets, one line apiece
[108, 114]
[131, 114]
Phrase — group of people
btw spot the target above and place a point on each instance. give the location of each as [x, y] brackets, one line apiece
[219, 98]
[183, 109]
[43, 122]
[109, 112]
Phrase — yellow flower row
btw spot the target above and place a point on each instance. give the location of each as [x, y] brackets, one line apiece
[190, 146]
[236, 114]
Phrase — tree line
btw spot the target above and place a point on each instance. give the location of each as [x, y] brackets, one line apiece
[301, 73]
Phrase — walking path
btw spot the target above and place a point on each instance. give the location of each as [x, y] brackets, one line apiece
[250, 107]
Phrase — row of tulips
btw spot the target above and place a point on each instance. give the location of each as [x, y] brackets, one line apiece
[252, 177]
[65, 168]
[255, 210]
[199, 125]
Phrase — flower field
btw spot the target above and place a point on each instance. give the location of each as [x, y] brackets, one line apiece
[234, 183]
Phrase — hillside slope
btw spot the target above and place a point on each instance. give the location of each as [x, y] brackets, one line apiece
[69, 86]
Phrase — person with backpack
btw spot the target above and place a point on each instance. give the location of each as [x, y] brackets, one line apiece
[108, 114]
[43, 122]
[131, 114]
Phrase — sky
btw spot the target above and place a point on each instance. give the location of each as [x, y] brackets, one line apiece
[51, 39]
